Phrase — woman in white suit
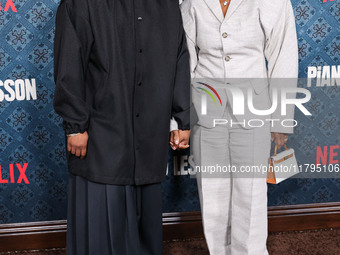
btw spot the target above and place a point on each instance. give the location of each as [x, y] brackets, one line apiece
[228, 40]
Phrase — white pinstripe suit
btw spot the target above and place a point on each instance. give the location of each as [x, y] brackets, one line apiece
[236, 46]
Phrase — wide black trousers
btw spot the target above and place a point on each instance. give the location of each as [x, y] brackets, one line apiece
[113, 220]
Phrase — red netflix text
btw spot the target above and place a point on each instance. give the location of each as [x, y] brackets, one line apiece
[14, 170]
[327, 154]
[9, 4]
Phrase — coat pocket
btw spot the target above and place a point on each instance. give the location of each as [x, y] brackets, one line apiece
[259, 85]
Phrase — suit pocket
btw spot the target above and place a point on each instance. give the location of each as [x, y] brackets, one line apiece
[260, 99]
[259, 85]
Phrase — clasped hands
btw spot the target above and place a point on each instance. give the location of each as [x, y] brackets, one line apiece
[179, 139]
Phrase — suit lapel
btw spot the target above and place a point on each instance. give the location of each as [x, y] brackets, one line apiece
[234, 4]
[215, 7]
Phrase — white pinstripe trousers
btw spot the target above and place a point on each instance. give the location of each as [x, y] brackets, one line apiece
[234, 210]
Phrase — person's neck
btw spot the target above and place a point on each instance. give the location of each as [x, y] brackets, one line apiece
[224, 5]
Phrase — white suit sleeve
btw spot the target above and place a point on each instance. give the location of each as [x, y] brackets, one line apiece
[281, 52]
[189, 24]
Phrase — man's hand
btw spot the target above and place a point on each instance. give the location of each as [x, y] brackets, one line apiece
[279, 139]
[174, 139]
[179, 139]
[77, 144]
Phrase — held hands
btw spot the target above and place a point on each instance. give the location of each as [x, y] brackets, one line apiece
[179, 139]
[279, 139]
[77, 145]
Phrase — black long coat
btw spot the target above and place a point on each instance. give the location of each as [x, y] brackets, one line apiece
[121, 72]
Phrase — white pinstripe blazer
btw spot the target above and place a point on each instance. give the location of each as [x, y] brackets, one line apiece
[239, 44]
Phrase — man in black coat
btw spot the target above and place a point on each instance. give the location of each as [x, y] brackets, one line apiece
[121, 70]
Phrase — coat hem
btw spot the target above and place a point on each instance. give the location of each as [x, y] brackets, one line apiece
[118, 180]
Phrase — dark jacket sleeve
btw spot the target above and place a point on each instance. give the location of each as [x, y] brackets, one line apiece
[72, 45]
[181, 104]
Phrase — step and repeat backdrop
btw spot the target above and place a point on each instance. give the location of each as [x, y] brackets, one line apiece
[33, 178]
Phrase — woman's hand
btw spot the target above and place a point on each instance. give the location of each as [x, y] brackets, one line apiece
[179, 139]
[279, 139]
[77, 145]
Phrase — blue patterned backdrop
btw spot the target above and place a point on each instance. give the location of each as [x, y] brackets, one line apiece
[30, 131]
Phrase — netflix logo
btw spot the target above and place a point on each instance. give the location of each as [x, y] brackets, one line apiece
[327, 155]
[9, 5]
[17, 173]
